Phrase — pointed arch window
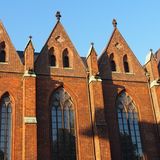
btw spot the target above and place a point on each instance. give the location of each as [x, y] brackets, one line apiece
[63, 127]
[2, 52]
[112, 62]
[125, 63]
[65, 58]
[2, 56]
[128, 128]
[5, 127]
[52, 60]
[52, 57]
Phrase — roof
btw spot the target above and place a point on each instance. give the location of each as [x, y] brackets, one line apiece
[84, 60]
[90, 50]
[157, 55]
[148, 57]
[36, 54]
[21, 55]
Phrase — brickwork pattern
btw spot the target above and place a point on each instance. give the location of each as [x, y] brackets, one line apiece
[93, 88]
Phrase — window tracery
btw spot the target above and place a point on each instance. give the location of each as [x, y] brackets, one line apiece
[5, 127]
[129, 128]
[63, 128]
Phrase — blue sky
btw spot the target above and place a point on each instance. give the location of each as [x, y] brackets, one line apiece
[85, 21]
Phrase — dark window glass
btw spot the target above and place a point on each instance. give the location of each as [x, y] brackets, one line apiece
[63, 130]
[125, 63]
[52, 60]
[158, 67]
[5, 128]
[52, 57]
[128, 128]
[65, 58]
[112, 63]
[2, 45]
[2, 56]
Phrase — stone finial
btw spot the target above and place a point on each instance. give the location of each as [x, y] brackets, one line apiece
[114, 22]
[151, 50]
[30, 37]
[92, 44]
[58, 15]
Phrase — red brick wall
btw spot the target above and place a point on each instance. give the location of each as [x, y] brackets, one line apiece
[12, 83]
[100, 128]
[42, 66]
[13, 62]
[77, 88]
[74, 80]
[136, 85]
[30, 129]
[23, 93]
[140, 95]
[29, 56]
[94, 104]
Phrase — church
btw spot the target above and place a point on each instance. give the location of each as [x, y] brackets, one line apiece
[56, 105]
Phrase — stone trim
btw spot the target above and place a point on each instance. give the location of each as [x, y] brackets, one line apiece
[154, 83]
[27, 74]
[30, 120]
[94, 78]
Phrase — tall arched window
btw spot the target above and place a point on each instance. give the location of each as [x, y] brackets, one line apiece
[63, 128]
[125, 63]
[112, 63]
[128, 128]
[52, 57]
[5, 127]
[65, 58]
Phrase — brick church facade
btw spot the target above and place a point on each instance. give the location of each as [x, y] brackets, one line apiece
[56, 105]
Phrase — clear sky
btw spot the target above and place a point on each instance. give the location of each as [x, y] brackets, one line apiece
[85, 21]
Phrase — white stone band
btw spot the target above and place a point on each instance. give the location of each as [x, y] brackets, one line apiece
[154, 83]
[93, 78]
[29, 120]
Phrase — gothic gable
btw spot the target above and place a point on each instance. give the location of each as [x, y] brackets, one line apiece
[118, 61]
[9, 59]
[59, 56]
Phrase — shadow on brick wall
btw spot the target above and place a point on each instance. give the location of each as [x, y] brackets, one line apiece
[150, 137]
[45, 86]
